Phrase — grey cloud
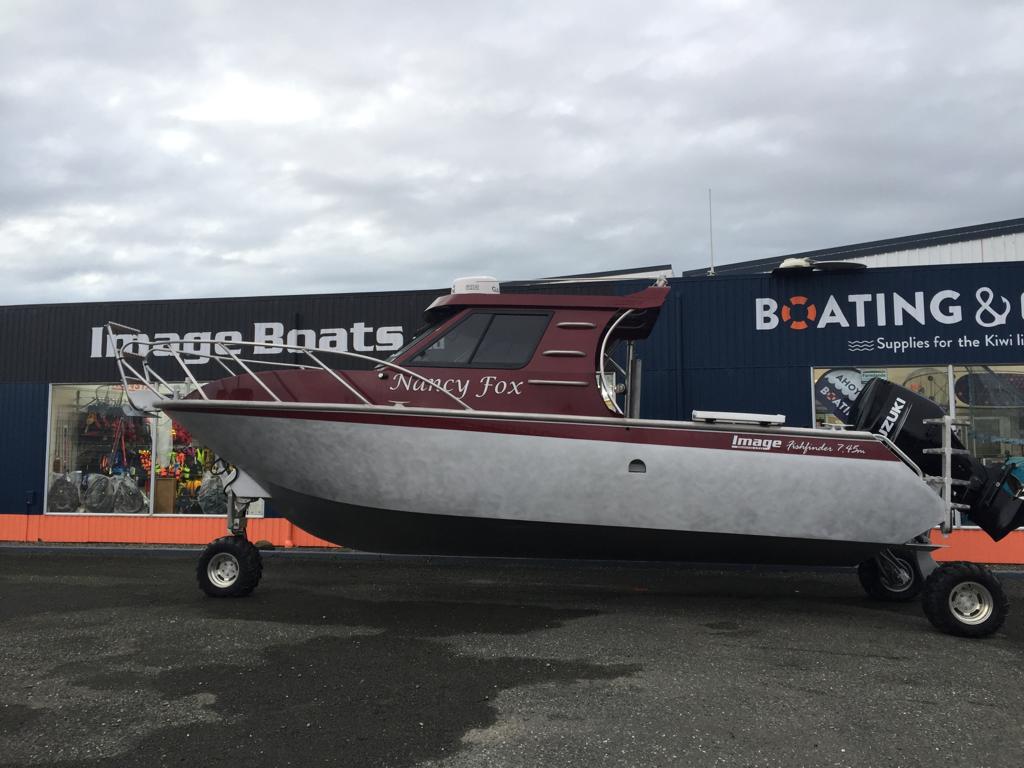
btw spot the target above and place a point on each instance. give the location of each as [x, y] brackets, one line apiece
[519, 139]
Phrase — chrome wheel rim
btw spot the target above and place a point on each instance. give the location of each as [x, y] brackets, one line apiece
[896, 575]
[971, 602]
[223, 569]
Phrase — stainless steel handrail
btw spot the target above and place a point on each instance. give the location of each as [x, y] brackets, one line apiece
[223, 354]
[609, 397]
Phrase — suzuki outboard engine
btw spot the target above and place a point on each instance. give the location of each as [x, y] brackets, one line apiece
[901, 415]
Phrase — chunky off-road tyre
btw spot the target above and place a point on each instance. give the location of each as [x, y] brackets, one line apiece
[882, 586]
[229, 567]
[965, 599]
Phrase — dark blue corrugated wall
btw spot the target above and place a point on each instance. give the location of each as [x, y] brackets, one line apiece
[22, 447]
[708, 350]
[700, 356]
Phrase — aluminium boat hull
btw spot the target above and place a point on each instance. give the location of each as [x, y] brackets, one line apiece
[411, 480]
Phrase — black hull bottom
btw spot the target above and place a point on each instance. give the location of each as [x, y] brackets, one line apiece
[394, 532]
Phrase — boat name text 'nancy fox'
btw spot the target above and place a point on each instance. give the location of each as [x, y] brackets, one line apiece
[484, 386]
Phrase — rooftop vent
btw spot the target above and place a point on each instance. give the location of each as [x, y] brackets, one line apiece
[799, 265]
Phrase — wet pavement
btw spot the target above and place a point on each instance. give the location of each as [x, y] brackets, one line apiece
[114, 658]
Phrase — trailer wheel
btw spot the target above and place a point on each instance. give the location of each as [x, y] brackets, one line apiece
[229, 567]
[965, 599]
[897, 580]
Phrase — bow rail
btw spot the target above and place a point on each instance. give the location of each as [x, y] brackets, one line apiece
[133, 363]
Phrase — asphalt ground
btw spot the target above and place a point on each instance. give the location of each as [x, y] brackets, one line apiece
[114, 658]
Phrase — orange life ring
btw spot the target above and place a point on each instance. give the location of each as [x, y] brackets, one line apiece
[787, 313]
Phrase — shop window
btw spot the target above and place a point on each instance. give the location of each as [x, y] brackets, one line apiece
[988, 398]
[836, 389]
[98, 453]
[104, 459]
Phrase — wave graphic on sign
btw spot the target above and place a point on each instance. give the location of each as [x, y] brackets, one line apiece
[867, 345]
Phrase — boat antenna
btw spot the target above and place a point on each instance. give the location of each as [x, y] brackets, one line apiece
[711, 237]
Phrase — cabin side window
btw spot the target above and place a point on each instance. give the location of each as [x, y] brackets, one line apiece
[487, 340]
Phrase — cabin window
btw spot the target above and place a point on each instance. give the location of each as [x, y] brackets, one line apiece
[458, 345]
[436, 319]
[487, 340]
[510, 340]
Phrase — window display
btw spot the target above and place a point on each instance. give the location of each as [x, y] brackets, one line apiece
[96, 452]
[991, 400]
[104, 460]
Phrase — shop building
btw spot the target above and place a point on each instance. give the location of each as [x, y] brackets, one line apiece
[941, 313]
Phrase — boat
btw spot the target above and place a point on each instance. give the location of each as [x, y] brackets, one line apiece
[509, 426]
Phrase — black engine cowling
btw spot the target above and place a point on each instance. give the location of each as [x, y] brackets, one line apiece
[899, 414]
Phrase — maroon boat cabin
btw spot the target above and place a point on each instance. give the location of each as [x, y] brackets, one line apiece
[524, 353]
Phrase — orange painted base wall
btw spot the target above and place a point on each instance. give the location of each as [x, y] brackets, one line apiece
[971, 545]
[975, 546]
[132, 529]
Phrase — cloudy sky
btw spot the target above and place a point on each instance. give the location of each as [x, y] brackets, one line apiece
[175, 149]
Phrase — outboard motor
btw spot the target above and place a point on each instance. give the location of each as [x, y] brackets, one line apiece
[993, 493]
